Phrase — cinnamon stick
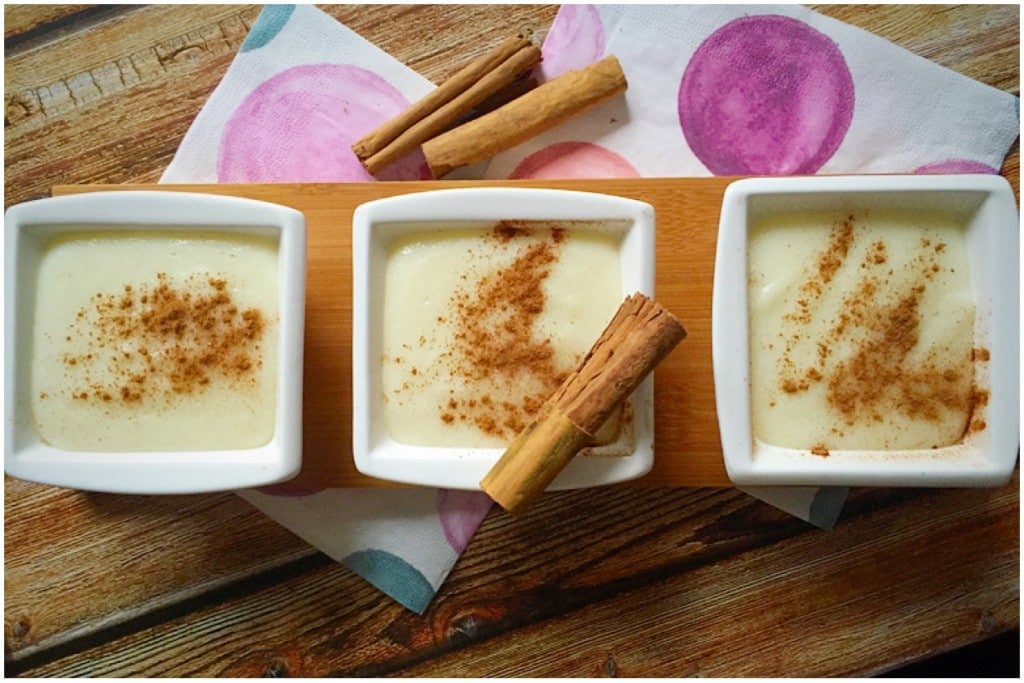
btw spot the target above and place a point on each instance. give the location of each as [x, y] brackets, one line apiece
[522, 85]
[538, 110]
[447, 104]
[639, 336]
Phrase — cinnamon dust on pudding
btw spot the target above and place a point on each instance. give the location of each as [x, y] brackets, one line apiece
[153, 341]
[482, 325]
[870, 346]
[496, 337]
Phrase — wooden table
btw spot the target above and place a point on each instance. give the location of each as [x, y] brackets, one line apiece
[643, 582]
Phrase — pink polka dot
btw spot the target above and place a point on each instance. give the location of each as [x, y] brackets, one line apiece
[461, 513]
[956, 166]
[574, 160]
[299, 126]
[576, 39]
[766, 95]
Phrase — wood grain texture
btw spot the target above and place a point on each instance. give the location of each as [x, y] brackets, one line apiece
[76, 562]
[691, 583]
[635, 590]
[98, 104]
[687, 447]
[21, 20]
[706, 621]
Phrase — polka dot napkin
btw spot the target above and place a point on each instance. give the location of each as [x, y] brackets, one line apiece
[759, 90]
[714, 90]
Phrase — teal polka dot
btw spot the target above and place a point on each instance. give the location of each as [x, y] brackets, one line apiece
[267, 25]
[394, 576]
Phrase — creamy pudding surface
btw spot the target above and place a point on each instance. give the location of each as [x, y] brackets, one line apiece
[861, 330]
[481, 325]
[155, 341]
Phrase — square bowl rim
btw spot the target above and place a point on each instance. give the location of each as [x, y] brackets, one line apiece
[730, 342]
[465, 467]
[161, 472]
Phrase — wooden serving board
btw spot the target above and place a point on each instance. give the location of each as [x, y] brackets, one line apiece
[687, 447]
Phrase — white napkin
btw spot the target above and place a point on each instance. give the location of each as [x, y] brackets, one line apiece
[303, 88]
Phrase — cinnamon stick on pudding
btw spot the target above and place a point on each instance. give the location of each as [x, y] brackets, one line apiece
[639, 336]
[538, 110]
[481, 79]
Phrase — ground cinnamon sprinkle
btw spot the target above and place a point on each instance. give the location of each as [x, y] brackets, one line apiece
[879, 377]
[490, 354]
[495, 338]
[839, 246]
[157, 341]
[830, 260]
[879, 372]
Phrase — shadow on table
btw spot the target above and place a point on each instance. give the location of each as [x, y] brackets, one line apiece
[996, 657]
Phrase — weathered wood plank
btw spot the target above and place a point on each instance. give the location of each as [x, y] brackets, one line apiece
[436, 40]
[665, 583]
[20, 20]
[120, 116]
[76, 562]
[132, 32]
[977, 41]
[877, 589]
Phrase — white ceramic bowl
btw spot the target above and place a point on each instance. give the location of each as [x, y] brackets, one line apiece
[31, 226]
[985, 206]
[377, 224]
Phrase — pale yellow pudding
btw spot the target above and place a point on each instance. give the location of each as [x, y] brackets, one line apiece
[481, 324]
[861, 330]
[155, 341]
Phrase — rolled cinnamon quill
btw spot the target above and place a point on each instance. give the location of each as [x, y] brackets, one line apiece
[483, 78]
[639, 336]
[542, 108]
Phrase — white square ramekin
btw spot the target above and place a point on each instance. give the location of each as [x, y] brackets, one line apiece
[375, 224]
[984, 458]
[28, 226]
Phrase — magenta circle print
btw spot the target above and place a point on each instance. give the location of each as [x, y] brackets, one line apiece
[299, 126]
[765, 95]
[576, 39]
[956, 166]
[460, 513]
